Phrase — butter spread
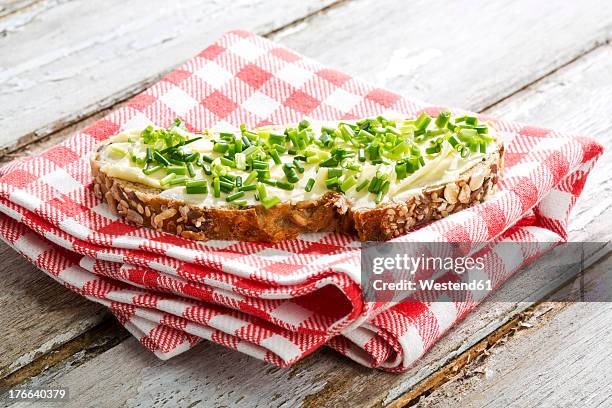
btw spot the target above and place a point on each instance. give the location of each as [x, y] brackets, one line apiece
[439, 161]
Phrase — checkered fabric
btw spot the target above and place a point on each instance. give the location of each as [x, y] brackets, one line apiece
[277, 302]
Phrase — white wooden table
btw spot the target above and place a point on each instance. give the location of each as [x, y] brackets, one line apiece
[64, 64]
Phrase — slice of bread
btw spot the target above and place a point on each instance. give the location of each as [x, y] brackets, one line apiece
[143, 205]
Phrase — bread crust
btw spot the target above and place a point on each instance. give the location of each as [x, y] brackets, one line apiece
[143, 206]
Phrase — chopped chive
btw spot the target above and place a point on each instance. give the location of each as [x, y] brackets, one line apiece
[207, 159]
[276, 138]
[251, 177]
[149, 154]
[263, 174]
[167, 179]
[235, 196]
[471, 120]
[483, 147]
[238, 181]
[248, 187]
[268, 181]
[332, 182]
[181, 170]
[192, 140]
[362, 156]
[151, 170]
[220, 147]
[348, 183]
[284, 185]
[422, 121]
[260, 165]
[176, 162]
[379, 197]
[270, 202]
[177, 181]
[261, 191]
[346, 131]
[309, 185]
[191, 170]
[290, 173]
[225, 186]
[217, 187]
[196, 190]
[433, 149]
[443, 119]
[241, 162]
[331, 162]
[482, 129]
[192, 157]
[275, 156]
[196, 187]
[240, 203]
[161, 159]
[246, 142]
[207, 169]
[298, 166]
[362, 185]
[400, 170]
[228, 162]
[303, 124]
[331, 173]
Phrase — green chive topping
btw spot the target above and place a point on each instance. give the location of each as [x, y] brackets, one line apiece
[196, 187]
[234, 196]
[240, 165]
[309, 185]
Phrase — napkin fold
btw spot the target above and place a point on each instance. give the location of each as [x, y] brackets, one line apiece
[277, 302]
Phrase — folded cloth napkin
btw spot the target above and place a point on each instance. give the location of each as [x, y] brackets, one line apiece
[277, 302]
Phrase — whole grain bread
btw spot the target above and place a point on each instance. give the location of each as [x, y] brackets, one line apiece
[144, 206]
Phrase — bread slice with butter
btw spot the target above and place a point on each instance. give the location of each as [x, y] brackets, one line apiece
[375, 178]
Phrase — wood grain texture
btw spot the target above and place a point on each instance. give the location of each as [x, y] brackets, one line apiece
[562, 358]
[75, 58]
[36, 313]
[459, 53]
[326, 379]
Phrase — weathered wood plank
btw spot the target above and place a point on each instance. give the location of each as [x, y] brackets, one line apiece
[32, 303]
[562, 358]
[61, 61]
[454, 53]
[326, 379]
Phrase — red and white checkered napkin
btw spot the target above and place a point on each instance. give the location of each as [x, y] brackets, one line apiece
[277, 302]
